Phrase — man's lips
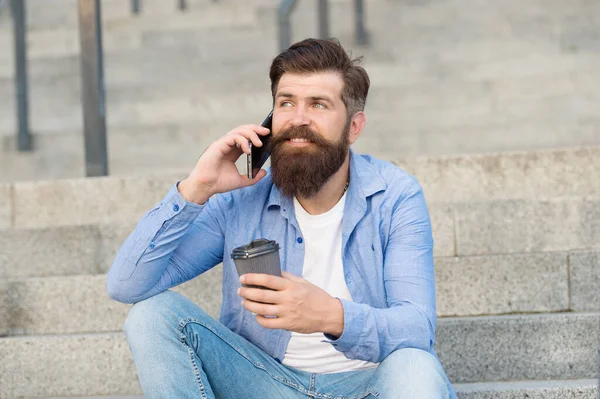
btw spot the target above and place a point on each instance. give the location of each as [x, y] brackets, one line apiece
[299, 143]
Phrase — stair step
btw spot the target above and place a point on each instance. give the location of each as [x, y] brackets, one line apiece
[580, 389]
[552, 389]
[80, 304]
[539, 174]
[474, 228]
[465, 286]
[524, 347]
[495, 348]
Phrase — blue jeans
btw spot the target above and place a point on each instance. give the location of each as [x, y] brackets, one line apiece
[182, 352]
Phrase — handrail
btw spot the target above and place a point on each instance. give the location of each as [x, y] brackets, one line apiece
[323, 15]
[136, 5]
[283, 21]
[286, 8]
[92, 69]
[92, 88]
[361, 36]
[24, 141]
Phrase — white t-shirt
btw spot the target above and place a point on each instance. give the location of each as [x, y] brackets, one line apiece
[323, 267]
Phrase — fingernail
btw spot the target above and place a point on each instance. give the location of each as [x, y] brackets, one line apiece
[238, 291]
[242, 279]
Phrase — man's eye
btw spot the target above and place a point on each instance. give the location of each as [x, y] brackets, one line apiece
[285, 104]
[320, 105]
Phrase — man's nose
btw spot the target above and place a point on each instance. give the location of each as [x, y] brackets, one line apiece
[300, 118]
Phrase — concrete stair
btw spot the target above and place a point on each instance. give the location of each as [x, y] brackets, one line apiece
[173, 79]
[518, 300]
[517, 249]
[553, 389]
[492, 348]
[466, 286]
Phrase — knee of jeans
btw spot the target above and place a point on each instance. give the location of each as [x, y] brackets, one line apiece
[150, 314]
[411, 371]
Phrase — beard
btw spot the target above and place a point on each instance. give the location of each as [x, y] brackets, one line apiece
[302, 171]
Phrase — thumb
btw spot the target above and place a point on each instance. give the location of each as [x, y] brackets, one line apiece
[247, 182]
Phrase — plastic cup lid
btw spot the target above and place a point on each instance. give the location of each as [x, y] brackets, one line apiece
[257, 247]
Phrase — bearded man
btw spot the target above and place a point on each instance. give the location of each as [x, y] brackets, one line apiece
[354, 313]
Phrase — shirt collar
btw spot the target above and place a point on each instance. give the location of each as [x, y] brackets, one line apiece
[364, 182]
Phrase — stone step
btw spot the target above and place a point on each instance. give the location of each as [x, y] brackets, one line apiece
[90, 249]
[72, 297]
[413, 23]
[80, 304]
[382, 133]
[462, 228]
[444, 48]
[553, 389]
[63, 16]
[498, 348]
[187, 99]
[154, 149]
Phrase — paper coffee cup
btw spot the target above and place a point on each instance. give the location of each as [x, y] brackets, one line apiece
[259, 256]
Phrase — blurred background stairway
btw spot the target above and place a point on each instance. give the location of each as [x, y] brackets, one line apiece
[492, 106]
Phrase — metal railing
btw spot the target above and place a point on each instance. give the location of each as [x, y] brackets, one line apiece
[136, 5]
[286, 7]
[92, 88]
[92, 69]
[24, 142]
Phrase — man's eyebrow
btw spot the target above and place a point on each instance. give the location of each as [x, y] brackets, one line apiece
[313, 98]
[284, 94]
[321, 98]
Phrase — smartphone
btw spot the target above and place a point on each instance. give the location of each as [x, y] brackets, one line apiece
[259, 155]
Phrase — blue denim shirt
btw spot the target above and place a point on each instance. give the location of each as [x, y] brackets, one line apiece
[387, 255]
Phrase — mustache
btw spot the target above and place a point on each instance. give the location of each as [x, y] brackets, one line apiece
[300, 132]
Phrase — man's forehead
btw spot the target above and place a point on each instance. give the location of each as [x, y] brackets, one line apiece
[309, 84]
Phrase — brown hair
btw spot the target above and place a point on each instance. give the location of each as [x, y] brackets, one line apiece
[317, 55]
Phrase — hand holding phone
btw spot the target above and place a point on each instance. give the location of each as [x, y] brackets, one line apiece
[259, 155]
[216, 171]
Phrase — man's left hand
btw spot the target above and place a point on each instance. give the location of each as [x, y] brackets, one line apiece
[297, 304]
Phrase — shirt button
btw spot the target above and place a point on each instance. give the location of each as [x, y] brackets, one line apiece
[152, 245]
[175, 207]
[299, 240]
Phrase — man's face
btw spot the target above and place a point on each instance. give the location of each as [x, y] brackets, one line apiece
[310, 132]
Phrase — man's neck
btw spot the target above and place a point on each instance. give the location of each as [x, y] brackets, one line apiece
[329, 195]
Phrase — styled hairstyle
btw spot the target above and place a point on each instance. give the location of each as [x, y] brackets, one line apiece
[317, 55]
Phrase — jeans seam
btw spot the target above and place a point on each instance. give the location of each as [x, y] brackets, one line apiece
[186, 321]
[311, 385]
[195, 367]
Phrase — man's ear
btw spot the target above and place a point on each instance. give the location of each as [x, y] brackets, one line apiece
[357, 124]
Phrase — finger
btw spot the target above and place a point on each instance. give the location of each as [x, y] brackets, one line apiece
[271, 322]
[250, 134]
[258, 129]
[258, 295]
[264, 309]
[230, 141]
[243, 143]
[261, 173]
[292, 277]
[265, 280]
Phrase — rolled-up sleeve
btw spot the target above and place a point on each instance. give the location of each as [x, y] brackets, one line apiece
[172, 243]
[409, 321]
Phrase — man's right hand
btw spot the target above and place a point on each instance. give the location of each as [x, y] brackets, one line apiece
[216, 172]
